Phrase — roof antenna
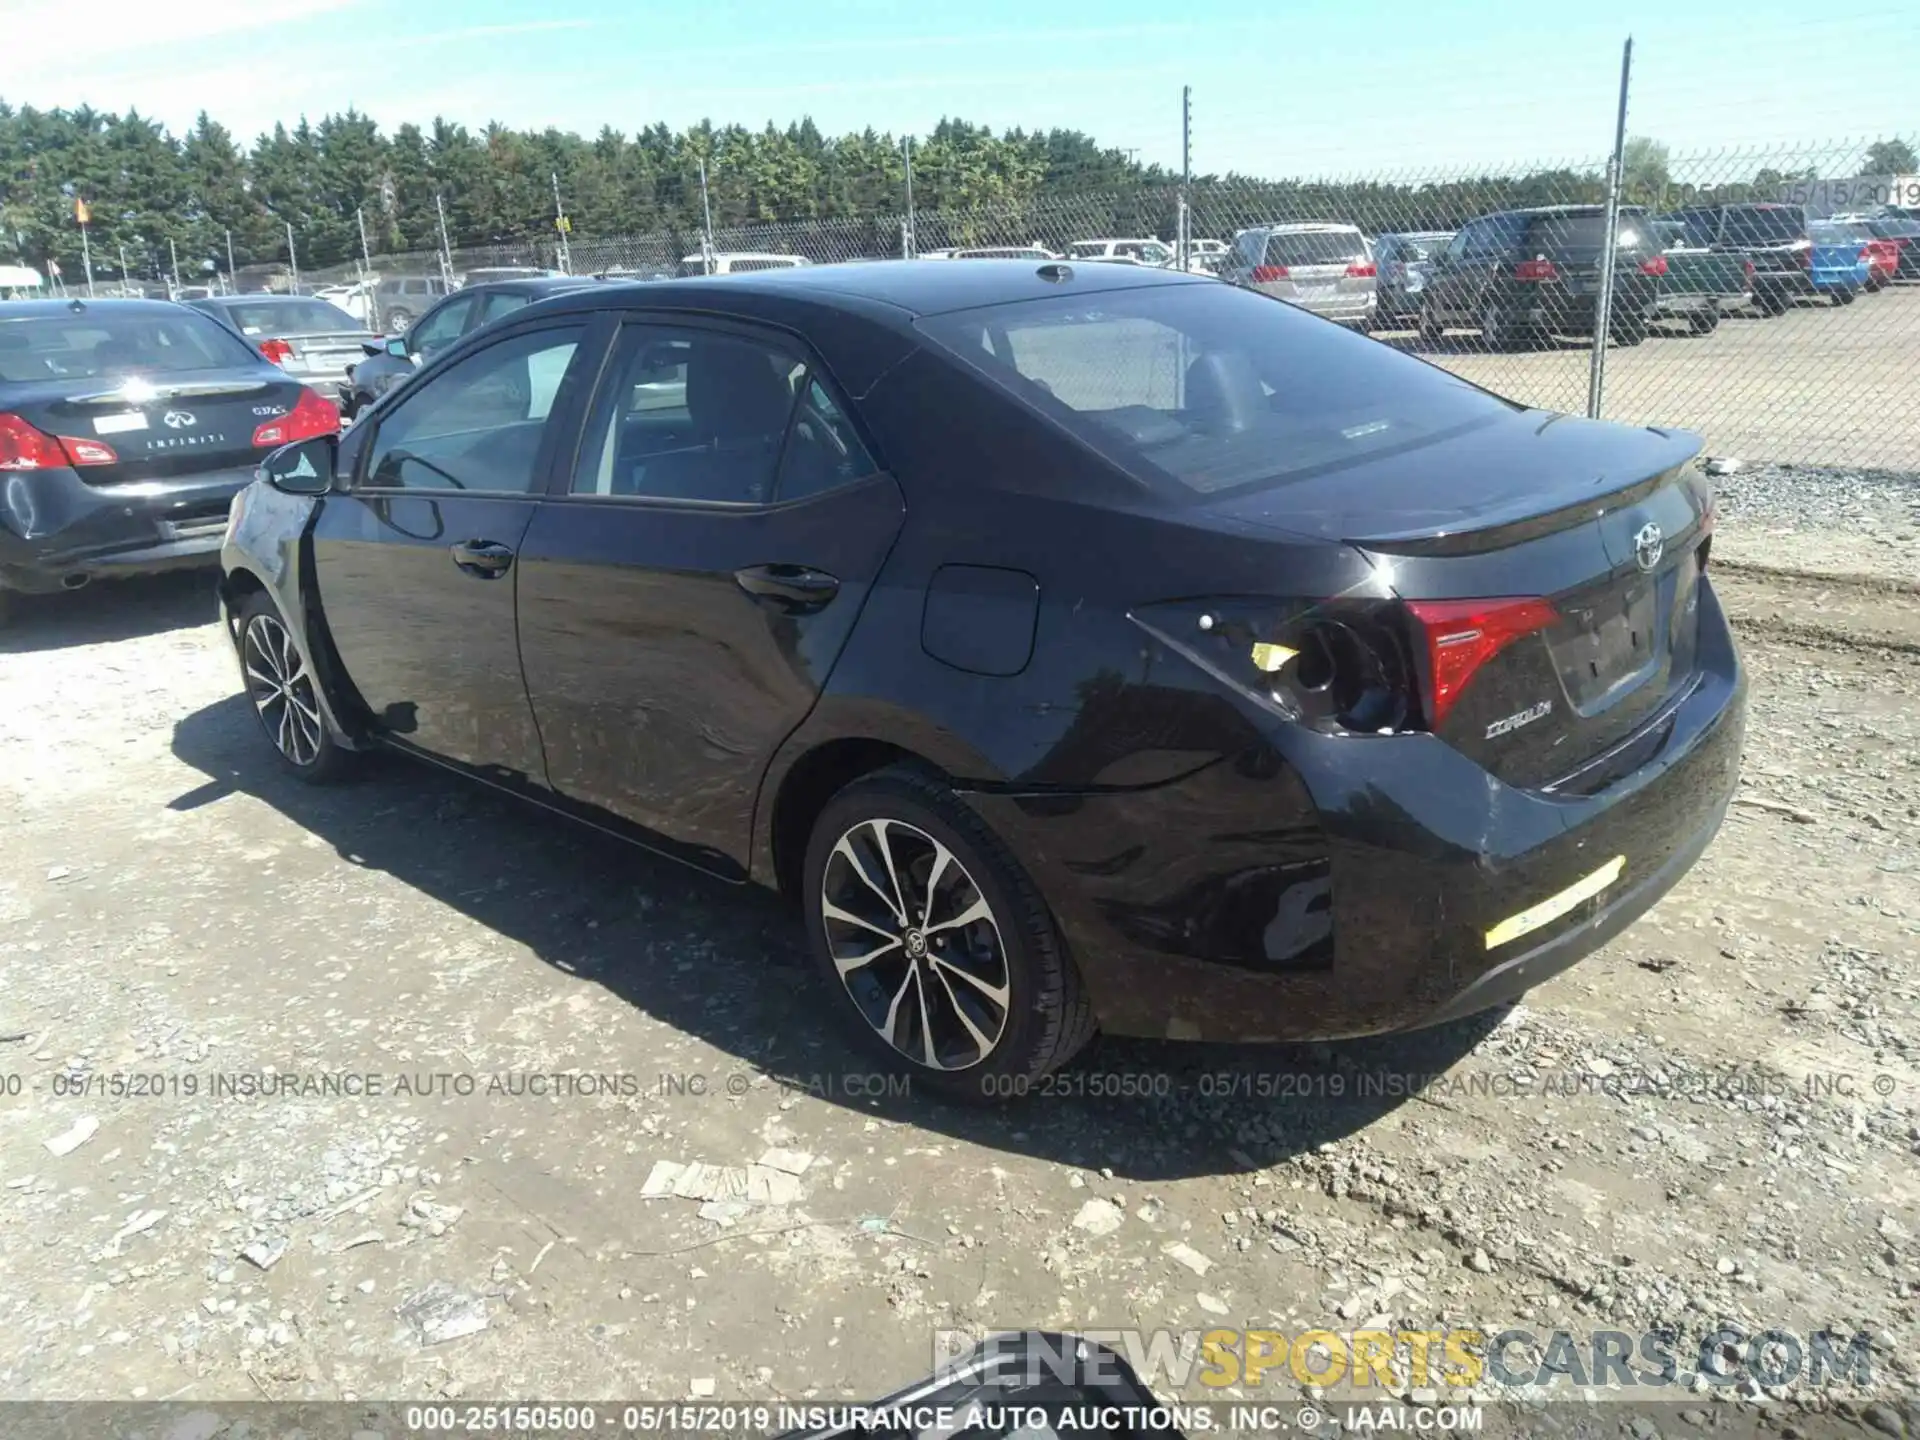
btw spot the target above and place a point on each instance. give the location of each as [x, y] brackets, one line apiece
[1055, 272]
[77, 305]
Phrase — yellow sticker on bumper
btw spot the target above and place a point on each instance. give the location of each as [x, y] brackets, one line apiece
[1554, 906]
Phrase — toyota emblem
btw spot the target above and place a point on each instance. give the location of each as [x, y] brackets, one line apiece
[183, 420]
[1649, 543]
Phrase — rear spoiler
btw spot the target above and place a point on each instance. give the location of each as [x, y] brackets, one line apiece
[172, 390]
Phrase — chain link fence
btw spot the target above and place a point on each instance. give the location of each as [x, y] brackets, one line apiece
[1767, 298]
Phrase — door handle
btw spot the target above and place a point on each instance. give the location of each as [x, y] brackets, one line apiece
[484, 558]
[794, 588]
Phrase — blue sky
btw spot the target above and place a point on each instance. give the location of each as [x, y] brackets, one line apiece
[1309, 87]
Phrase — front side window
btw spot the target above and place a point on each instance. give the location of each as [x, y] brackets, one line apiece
[1211, 388]
[498, 305]
[690, 415]
[477, 427]
[443, 326]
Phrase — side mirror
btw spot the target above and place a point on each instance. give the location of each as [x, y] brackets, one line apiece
[397, 347]
[303, 468]
[373, 347]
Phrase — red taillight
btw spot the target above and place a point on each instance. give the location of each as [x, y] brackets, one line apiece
[1462, 635]
[1749, 265]
[310, 416]
[1360, 270]
[1656, 266]
[1536, 270]
[278, 351]
[1803, 255]
[22, 447]
[1267, 274]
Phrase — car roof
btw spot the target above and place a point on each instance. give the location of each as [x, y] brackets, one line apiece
[1303, 226]
[76, 305]
[906, 288]
[201, 301]
[529, 285]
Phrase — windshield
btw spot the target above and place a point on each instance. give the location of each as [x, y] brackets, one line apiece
[1767, 225]
[1212, 387]
[93, 342]
[1315, 247]
[290, 317]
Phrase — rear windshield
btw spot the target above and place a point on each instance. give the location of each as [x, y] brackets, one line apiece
[267, 318]
[1562, 233]
[82, 345]
[1771, 226]
[1895, 229]
[1211, 386]
[1316, 247]
[1831, 233]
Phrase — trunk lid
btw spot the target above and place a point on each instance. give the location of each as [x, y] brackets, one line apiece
[162, 427]
[1602, 521]
[330, 355]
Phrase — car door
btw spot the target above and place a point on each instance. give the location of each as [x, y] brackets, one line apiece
[685, 592]
[415, 564]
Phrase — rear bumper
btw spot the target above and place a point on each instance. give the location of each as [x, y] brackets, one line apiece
[1549, 307]
[1353, 893]
[1346, 309]
[57, 531]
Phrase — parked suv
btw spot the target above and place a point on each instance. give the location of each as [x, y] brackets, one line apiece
[399, 300]
[1321, 265]
[1522, 275]
[1772, 235]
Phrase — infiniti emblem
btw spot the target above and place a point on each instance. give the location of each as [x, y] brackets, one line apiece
[1649, 543]
[179, 419]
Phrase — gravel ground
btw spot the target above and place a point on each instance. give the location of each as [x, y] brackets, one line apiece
[1715, 1119]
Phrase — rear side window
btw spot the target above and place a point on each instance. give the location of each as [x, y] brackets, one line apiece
[1211, 387]
[98, 342]
[1315, 247]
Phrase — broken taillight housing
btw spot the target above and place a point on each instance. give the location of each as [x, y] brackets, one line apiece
[1341, 666]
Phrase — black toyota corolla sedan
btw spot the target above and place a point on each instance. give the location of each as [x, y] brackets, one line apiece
[1079, 646]
[126, 429]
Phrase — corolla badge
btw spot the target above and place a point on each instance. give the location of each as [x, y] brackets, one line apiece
[1649, 543]
[179, 420]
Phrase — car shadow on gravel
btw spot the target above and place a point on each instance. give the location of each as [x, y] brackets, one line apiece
[725, 963]
[107, 611]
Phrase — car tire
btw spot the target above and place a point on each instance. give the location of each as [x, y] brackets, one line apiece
[399, 321]
[1633, 332]
[1429, 326]
[284, 695]
[998, 1010]
[1704, 322]
[1770, 303]
[1845, 297]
